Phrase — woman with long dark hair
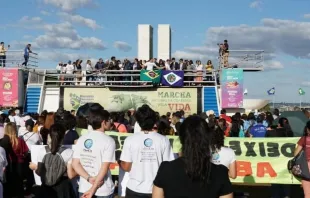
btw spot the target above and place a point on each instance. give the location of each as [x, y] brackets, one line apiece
[63, 188]
[193, 174]
[223, 155]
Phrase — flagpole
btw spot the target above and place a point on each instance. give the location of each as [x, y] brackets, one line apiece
[273, 100]
[300, 101]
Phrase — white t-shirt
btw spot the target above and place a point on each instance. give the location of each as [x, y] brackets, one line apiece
[93, 149]
[89, 68]
[69, 69]
[31, 138]
[150, 66]
[17, 120]
[11, 118]
[167, 65]
[3, 161]
[66, 155]
[146, 152]
[137, 128]
[225, 156]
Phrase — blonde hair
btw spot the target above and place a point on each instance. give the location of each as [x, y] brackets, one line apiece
[10, 130]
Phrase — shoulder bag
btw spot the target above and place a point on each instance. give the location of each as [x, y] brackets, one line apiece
[298, 166]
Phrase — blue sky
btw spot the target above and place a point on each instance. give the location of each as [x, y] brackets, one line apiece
[60, 30]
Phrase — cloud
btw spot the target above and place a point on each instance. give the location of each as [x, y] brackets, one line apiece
[27, 37]
[45, 13]
[256, 4]
[27, 19]
[307, 16]
[60, 56]
[274, 36]
[273, 65]
[306, 83]
[78, 19]
[62, 42]
[62, 36]
[69, 5]
[122, 46]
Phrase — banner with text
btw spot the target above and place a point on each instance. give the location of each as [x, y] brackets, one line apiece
[259, 161]
[8, 87]
[162, 100]
[232, 88]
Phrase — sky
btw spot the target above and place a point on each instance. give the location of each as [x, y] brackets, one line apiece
[62, 30]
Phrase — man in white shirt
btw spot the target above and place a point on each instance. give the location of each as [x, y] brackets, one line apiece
[167, 64]
[151, 65]
[93, 154]
[11, 115]
[17, 118]
[143, 153]
[31, 138]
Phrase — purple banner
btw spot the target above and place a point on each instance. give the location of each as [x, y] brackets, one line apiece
[172, 78]
[232, 88]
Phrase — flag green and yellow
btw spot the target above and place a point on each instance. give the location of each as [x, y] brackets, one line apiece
[151, 75]
[301, 92]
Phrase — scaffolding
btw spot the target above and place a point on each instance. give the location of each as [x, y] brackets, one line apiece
[248, 60]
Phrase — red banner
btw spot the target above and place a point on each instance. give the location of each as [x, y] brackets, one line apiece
[9, 87]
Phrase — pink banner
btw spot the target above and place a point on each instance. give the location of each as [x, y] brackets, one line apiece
[8, 87]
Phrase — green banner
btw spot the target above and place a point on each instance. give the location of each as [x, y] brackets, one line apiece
[259, 160]
[151, 75]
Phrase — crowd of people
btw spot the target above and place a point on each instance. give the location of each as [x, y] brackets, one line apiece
[202, 168]
[95, 72]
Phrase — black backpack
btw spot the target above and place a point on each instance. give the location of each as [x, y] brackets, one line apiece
[53, 167]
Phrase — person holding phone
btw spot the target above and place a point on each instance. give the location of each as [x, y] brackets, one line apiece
[3, 54]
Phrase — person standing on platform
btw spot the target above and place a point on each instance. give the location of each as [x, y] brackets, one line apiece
[3, 54]
[27, 51]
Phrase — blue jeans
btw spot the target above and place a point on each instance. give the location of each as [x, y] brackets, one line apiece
[26, 60]
[109, 196]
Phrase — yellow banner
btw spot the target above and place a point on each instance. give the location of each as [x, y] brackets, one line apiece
[162, 100]
[259, 160]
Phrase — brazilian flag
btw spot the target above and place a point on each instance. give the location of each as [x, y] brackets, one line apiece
[150, 75]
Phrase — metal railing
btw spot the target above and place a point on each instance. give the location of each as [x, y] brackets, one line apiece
[249, 60]
[15, 58]
[112, 78]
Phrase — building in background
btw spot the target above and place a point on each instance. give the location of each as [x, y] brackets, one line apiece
[164, 42]
[145, 42]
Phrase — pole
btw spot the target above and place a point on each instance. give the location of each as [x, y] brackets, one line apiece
[300, 101]
[273, 100]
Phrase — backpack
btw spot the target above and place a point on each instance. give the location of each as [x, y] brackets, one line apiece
[53, 167]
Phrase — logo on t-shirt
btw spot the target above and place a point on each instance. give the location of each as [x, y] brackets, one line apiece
[215, 156]
[88, 143]
[148, 142]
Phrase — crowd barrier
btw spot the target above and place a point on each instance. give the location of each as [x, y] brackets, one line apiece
[259, 160]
